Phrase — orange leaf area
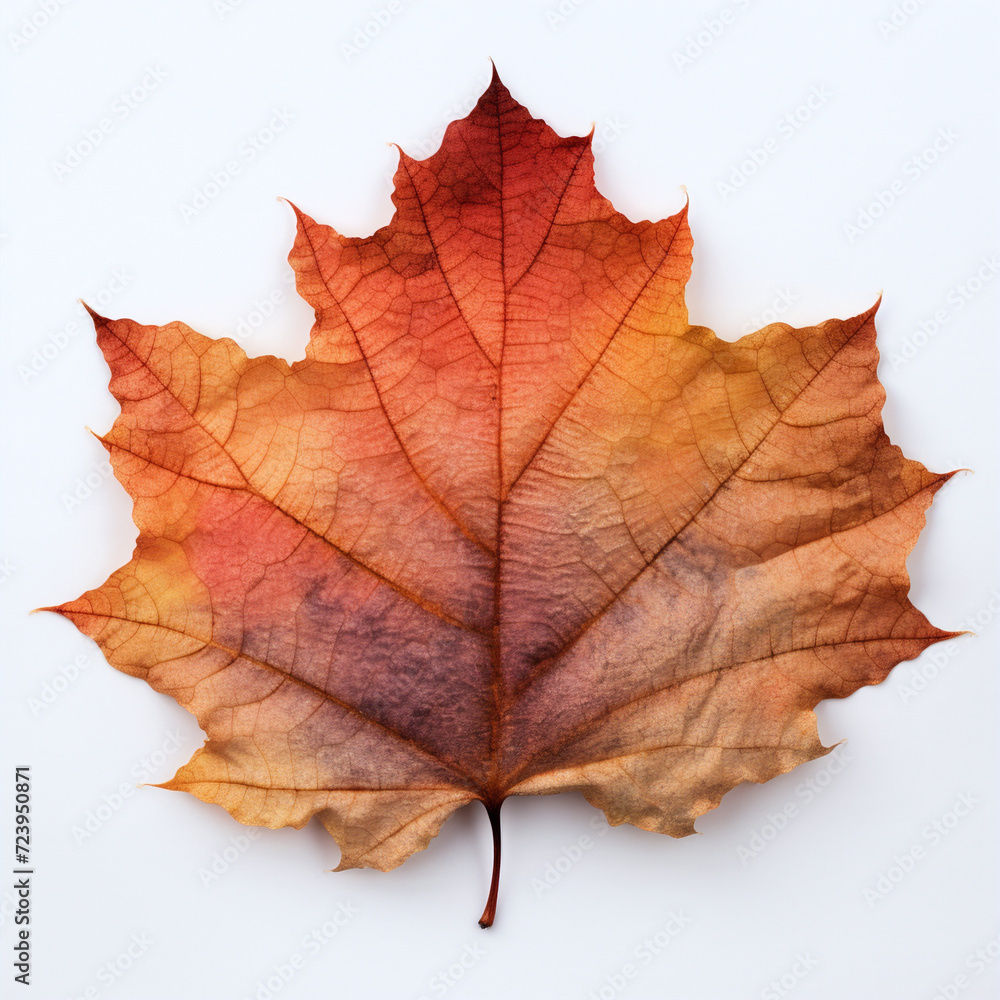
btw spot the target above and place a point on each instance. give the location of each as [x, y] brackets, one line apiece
[513, 526]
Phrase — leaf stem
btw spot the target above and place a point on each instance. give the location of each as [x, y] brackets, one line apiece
[493, 811]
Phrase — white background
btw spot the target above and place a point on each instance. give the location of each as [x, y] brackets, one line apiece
[910, 754]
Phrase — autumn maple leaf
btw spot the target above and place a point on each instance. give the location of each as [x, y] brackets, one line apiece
[512, 527]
